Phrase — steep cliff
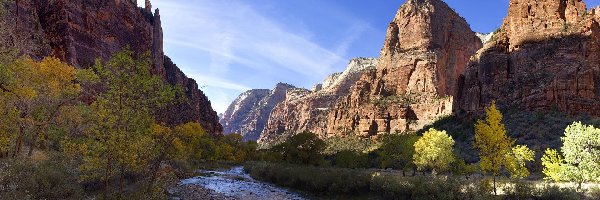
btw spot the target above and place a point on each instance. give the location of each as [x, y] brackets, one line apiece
[309, 110]
[544, 56]
[80, 31]
[248, 114]
[426, 49]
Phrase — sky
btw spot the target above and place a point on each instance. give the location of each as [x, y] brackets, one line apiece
[230, 46]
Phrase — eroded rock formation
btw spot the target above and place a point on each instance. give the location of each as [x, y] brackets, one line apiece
[310, 110]
[248, 114]
[545, 56]
[80, 31]
[426, 49]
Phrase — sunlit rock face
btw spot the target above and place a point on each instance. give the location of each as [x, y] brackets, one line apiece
[309, 110]
[248, 114]
[80, 31]
[545, 56]
[426, 49]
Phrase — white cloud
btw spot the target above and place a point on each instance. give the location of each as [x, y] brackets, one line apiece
[211, 81]
[234, 33]
[221, 40]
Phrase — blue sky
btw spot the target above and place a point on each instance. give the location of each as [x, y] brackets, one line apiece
[230, 46]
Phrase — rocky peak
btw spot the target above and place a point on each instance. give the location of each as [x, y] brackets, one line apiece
[485, 37]
[249, 112]
[425, 35]
[148, 6]
[544, 56]
[533, 20]
[426, 49]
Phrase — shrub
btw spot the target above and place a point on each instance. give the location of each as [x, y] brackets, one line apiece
[351, 159]
[519, 190]
[49, 179]
[557, 193]
[319, 181]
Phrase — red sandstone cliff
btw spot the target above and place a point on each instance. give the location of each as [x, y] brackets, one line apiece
[79, 31]
[426, 49]
[545, 55]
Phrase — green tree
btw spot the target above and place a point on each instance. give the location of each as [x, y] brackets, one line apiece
[121, 130]
[581, 147]
[397, 152]
[492, 142]
[303, 148]
[434, 151]
[517, 158]
[553, 166]
[181, 143]
[460, 168]
[351, 159]
[32, 95]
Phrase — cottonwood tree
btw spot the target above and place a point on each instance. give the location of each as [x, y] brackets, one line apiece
[123, 114]
[32, 95]
[434, 151]
[496, 149]
[397, 151]
[516, 160]
[580, 160]
[181, 143]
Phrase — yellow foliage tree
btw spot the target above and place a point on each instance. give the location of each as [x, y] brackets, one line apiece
[434, 151]
[121, 131]
[32, 96]
[553, 166]
[492, 142]
[516, 160]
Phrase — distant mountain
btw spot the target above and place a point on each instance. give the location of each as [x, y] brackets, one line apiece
[249, 112]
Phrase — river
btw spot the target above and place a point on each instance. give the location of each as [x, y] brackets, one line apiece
[236, 184]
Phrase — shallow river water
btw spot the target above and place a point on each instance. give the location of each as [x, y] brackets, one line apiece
[235, 183]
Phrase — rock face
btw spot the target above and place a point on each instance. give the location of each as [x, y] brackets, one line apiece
[309, 110]
[426, 49]
[80, 31]
[248, 114]
[545, 56]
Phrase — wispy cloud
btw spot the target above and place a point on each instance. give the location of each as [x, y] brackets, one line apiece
[231, 47]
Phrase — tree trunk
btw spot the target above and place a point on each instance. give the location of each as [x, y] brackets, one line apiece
[107, 178]
[19, 142]
[495, 193]
[32, 144]
[121, 180]
[155, 171]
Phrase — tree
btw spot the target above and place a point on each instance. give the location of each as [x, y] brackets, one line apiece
[553, 166]
[460, 168]
[516, 160]
[492, 142]
[434, 151]
[303, 148]
[121, 130]
[181, 143]
[397, 152]
[32, 97]
[581, 147]
[351, 159]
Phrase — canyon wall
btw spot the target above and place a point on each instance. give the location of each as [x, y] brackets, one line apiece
[426, 49]
[545, 56]
[80, 31]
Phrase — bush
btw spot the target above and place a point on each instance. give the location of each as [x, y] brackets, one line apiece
[519, 190]
[319, 181]
[304, 148]
[556, 193]
[49, 179]
[351, 159]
